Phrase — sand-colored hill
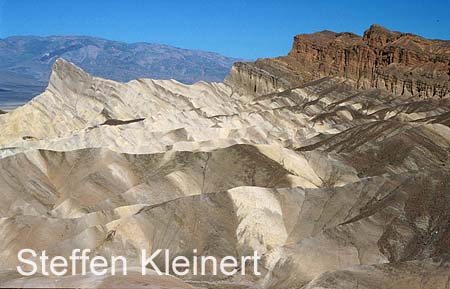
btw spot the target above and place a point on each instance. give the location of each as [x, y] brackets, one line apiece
[336, 187]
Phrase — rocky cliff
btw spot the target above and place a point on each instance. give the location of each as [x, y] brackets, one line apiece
[401, 63]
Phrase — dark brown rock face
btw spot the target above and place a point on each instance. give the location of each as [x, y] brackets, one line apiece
[401, 63]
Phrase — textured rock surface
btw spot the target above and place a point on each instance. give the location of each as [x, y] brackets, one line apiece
[401, 63]
[408, 275]
[336, 187]
[133, 280]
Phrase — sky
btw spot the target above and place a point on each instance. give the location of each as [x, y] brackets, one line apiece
[243, 29]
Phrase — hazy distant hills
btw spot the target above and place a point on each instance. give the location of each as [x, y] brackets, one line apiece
[25, 62]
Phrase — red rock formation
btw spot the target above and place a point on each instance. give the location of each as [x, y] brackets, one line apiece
[402, 63]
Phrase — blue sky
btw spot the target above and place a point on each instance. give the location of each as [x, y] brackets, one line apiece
[244, 29]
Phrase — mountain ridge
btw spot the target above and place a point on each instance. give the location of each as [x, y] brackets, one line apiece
[25, 62]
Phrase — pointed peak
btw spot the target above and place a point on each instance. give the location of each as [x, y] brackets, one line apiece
[378, 28]
[378, 35]
[62, 65]
[67, 74]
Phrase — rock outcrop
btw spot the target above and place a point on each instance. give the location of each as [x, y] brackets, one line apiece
[401, 63]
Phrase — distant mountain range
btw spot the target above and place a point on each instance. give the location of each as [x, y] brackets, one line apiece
[25, 63]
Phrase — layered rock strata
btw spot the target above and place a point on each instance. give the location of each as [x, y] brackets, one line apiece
[400, 63]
